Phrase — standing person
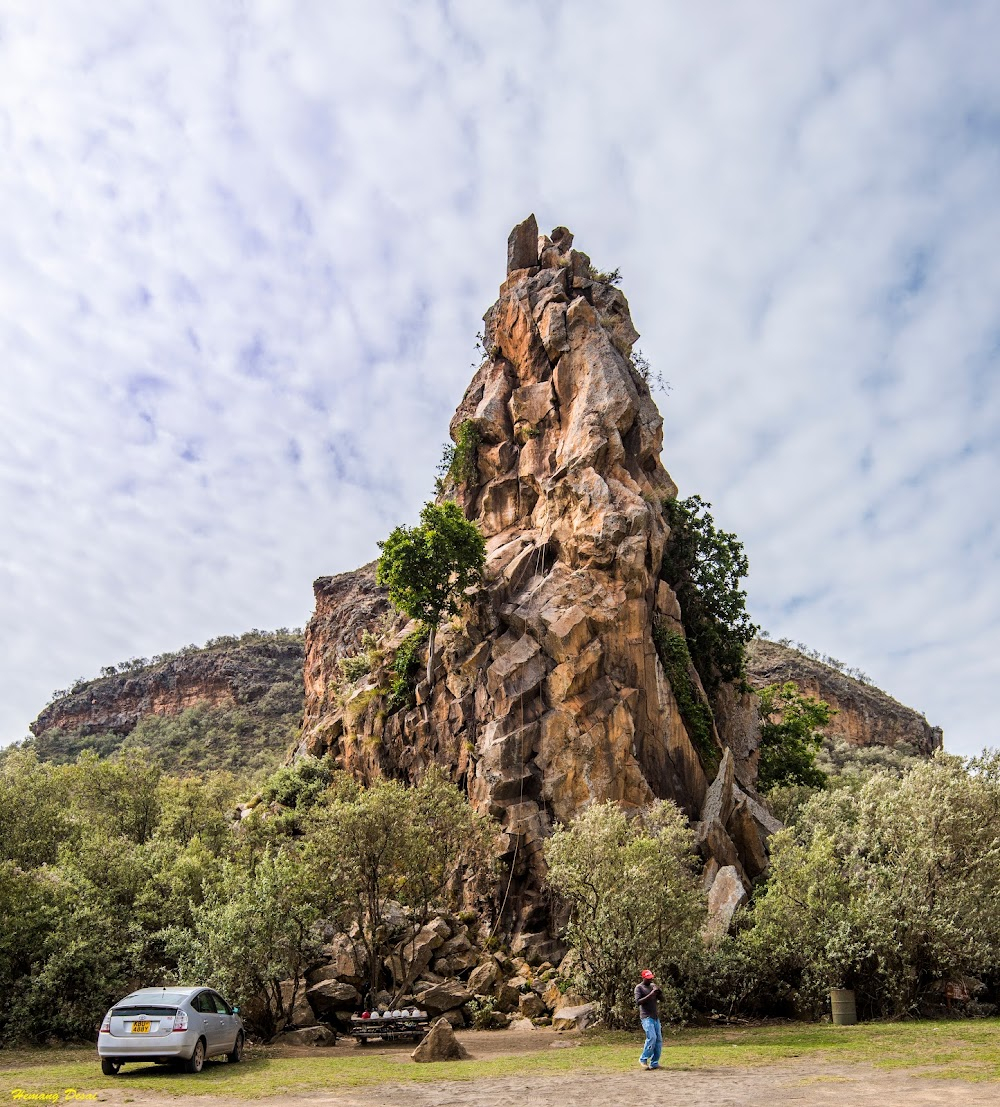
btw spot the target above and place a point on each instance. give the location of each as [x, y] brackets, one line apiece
[647, 993]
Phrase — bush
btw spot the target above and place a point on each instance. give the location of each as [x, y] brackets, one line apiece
[888, 888]
[634, 901]
[484, 1014]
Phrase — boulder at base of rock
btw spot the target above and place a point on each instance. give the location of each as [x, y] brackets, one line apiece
[726, 894]
[440, 1045]
[309, 1036]
[328, 994]
[521, 1024]
[575, 1018]
[483, 978]
[443, 997]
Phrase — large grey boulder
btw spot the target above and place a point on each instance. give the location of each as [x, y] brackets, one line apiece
[415, 955]
[483, 978]
[443, 997]
[328, 995]
[725, 896]
[342, 961]
[575, 1018]
[440, 1045]
[718, 805]
[742, 828]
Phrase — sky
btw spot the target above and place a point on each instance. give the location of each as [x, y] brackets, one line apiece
[246, 248]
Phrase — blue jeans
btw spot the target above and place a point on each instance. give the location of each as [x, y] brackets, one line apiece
[654, 1042]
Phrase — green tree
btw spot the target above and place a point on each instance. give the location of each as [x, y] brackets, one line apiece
[704, 566]
[392, 844]
[427, 568]
[634, 901]
[789, 740]
[889, 888]
[254, 932]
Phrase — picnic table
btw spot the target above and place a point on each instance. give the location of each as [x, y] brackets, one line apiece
[389, 1028]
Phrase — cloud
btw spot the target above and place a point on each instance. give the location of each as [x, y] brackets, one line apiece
[247, 249]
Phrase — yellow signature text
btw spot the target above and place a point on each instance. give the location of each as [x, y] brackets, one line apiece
[67, 1095]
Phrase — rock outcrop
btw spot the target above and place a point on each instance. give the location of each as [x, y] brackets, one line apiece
[866, 716]
[548, 693]
[258, 676]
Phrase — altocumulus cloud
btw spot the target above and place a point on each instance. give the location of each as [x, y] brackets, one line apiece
[246, 248]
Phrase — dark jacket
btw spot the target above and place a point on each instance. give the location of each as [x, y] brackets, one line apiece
[646, 995]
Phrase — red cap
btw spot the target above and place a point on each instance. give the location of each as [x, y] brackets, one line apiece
[647, 974]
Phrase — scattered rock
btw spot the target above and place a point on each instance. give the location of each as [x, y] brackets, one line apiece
[575, 1018]
[318, 1035]
[440, 1045]
[521, 1024]
[531, 1005]
[483, 978]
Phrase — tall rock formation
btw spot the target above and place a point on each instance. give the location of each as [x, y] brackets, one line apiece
[548, 693]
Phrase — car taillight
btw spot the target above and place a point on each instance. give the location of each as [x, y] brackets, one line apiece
[181, 1020]
[106, 1025]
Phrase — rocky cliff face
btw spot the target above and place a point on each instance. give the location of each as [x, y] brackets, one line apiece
[253, 683]
[866, 716]
[548, 693]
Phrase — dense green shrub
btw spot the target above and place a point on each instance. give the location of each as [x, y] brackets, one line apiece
[634, 901]
[889, 888]
[406, 669]
[394, 844]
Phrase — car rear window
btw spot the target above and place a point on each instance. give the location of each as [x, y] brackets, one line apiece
[149, 1009]
[155, 996]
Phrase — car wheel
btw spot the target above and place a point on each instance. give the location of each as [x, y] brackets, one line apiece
[197, 1062]
[109, 1067]
[236, 1055]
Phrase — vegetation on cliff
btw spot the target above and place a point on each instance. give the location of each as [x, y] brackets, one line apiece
[428, 568]
[704, 566]
[235, 703]
[789, 737]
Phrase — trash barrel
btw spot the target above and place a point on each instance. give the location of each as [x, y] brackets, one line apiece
[842, 1006]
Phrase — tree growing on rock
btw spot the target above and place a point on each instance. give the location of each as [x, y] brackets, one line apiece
[704, 566]
[634, 901]
[427, 568]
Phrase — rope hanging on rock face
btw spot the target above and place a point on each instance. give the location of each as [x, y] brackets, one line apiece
[520, 792]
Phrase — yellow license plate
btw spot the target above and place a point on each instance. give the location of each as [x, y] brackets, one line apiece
[140, 1028]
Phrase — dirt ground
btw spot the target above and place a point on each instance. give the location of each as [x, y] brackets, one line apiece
[781, 1085]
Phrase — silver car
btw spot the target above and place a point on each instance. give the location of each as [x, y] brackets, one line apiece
[183, 1026]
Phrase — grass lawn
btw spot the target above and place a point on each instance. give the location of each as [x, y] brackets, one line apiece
[965, 1050]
